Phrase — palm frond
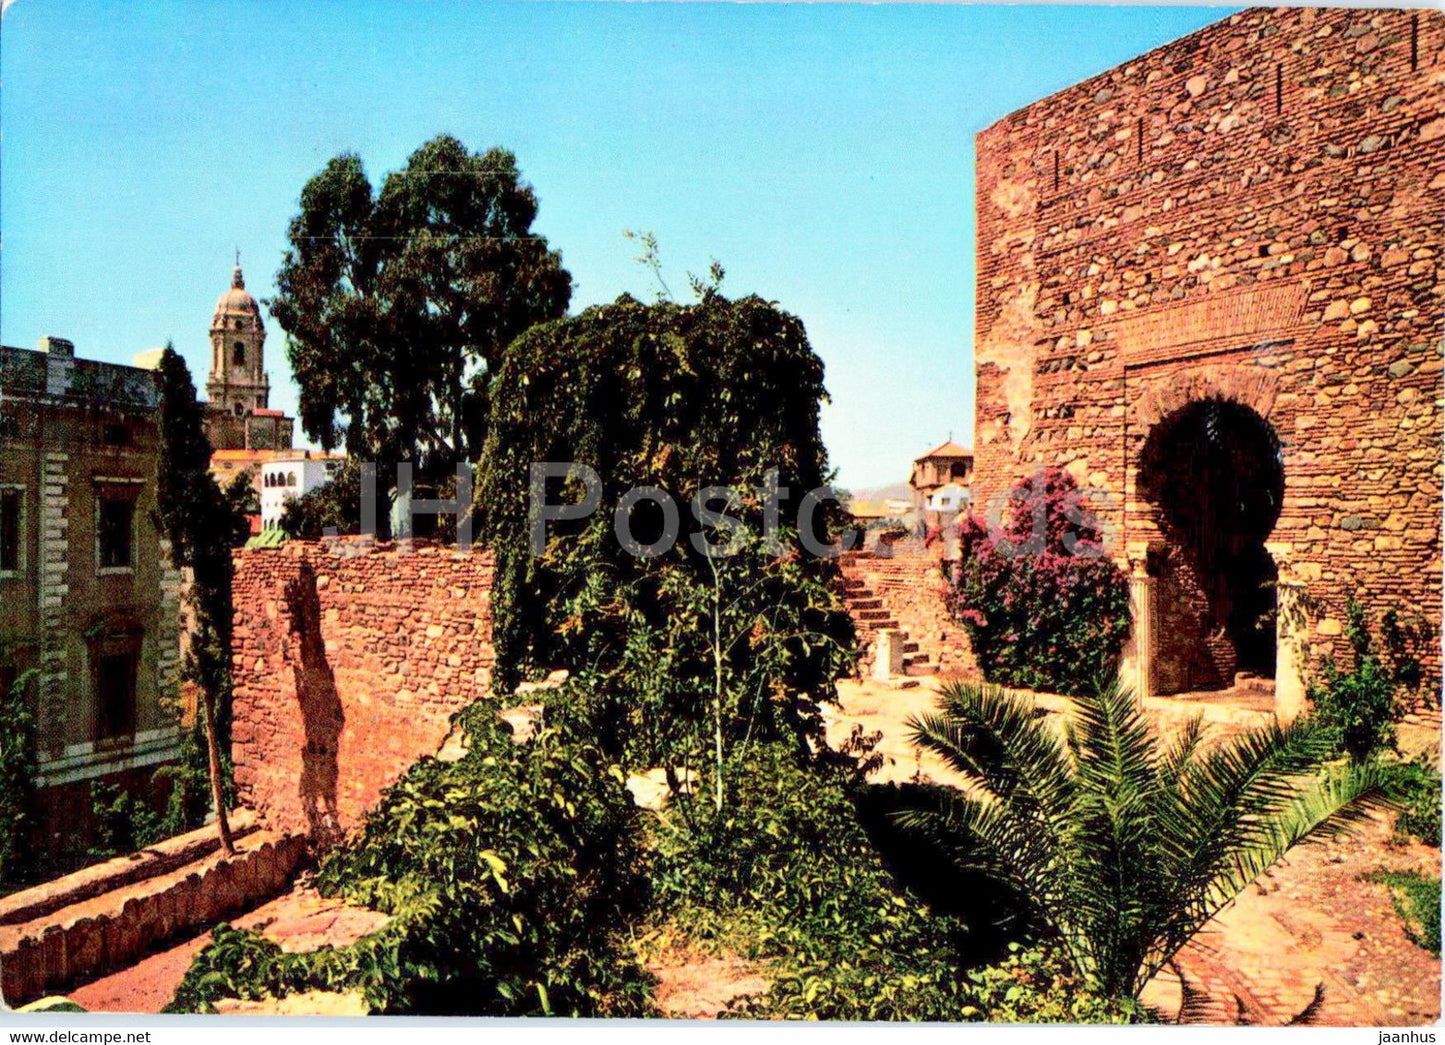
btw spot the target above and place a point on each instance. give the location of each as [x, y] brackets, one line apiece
[978, 834]
[1125, 844]
[1342, 798]
[1181, 751]
[997, 741]
[1223, 795]
[1310, 1014]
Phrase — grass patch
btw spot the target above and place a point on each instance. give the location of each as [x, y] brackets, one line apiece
[1416, 786]
[1417, 900]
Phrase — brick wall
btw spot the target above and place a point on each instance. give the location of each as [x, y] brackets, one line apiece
[349, 661]
[1252, 213]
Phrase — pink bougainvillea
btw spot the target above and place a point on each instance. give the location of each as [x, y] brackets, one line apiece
[1045, 609]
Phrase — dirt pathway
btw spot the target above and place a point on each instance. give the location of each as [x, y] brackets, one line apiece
[300, 920]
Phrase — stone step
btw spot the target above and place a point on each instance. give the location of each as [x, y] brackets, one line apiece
[1253, 683]
[871, 602]
[872, 615]
[897, 682]
[916, 670]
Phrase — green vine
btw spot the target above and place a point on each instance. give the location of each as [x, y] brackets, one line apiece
[18, 768]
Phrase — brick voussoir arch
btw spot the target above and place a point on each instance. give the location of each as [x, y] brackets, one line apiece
[1251, 386]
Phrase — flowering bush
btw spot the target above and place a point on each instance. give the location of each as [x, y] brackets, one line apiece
[1045, 609]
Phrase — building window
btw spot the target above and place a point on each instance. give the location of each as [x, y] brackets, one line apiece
[238, 353]
[9, 531]
[115, 434]
[291, 479]
[240, 409]
[115, 684]
[117, 519]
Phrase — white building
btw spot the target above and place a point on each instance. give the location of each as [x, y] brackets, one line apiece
[949, 498]
[293, 475]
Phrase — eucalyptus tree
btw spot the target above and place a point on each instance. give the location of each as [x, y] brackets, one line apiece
[399, 304]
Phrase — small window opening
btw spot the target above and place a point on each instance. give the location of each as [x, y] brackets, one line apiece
[115, 674]
[9, 530]
[116, 517]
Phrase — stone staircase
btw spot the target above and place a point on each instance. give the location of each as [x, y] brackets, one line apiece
[870, 616]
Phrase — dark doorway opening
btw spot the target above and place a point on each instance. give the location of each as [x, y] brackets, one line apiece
[1214, 472]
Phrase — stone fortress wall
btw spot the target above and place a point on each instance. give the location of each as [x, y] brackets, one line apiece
[1251, 214]
[349, 661]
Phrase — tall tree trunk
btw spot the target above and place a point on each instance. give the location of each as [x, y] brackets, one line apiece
[717, 660]
[218, 798]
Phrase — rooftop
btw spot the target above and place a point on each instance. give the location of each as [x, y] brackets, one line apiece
[54, 374]
[948, 449]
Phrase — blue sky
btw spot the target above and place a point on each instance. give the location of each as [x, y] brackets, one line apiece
[823, 153]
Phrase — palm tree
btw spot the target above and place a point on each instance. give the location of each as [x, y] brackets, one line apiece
[1124, 844]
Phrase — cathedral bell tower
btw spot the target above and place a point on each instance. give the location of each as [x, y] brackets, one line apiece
[238, 381]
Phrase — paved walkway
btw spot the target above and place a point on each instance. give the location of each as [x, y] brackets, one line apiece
[1310, 930]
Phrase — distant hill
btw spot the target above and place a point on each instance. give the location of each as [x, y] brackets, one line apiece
[898, 491]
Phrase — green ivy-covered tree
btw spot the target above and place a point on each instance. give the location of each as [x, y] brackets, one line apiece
[696, 652]
[398, 305]
[196, 516]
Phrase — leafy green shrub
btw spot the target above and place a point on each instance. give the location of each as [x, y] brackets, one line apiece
[509, 874]
[788, 874]
[1417, 900]
[123, 822]
[189, 803]
[1043, 607]
[18, 859]
[1360, 705]
[1416, 786]
[334, 505]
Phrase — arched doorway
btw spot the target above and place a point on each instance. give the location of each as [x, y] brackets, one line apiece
[1214, 473]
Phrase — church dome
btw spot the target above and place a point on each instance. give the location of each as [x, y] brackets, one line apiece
[236, 301]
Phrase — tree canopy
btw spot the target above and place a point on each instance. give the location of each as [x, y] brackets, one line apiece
[678, 398]
[398, 305]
